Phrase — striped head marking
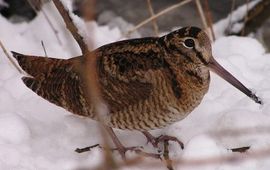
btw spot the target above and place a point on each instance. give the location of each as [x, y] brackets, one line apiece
[191, 44]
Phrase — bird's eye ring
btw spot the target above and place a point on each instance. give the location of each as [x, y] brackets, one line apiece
[189, 43]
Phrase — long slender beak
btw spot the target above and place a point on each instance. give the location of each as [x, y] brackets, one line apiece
[219, 70]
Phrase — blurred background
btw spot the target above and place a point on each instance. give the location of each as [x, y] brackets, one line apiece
[126, 14]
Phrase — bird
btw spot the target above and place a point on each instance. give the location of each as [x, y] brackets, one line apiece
[146, 83]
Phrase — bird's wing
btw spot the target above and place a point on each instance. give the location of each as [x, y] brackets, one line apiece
[122, 67]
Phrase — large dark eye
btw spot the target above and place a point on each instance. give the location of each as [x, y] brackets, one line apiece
[189, 43]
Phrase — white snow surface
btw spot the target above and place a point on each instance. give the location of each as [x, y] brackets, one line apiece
[232, 22]
[37, 135]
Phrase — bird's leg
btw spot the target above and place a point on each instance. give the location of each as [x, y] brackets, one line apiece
[122, 149]
[162, 138]
[119, 146]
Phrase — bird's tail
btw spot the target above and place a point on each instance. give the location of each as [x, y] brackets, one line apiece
[56, 80]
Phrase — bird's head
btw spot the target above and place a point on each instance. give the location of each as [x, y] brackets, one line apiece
[192, 46]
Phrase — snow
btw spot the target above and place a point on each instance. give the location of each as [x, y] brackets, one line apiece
[35, 134]
[232, 21]
[3, 4]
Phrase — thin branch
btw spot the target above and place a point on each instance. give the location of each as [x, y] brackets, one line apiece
[154, 22]
[171, 8]
[36, 5]
[55, 31]
[71, 26]
[229, 27]
[205, 161]
[90, 82]
[44, 49]
[246, 18]
[257, 15]
[166, 155]
[201, 13]
[209, 18]
[10, 58]
[203, 18]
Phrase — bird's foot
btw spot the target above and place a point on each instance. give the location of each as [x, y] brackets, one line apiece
[122, 151]
[162, 138]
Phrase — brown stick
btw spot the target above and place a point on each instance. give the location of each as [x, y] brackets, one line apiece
[201, 13]
[37, 5]
[255, 18]
[209, 18]
[90, 85]
[44, 49]
[55, 31]
[171, 8]
[154, 22]
[166, 155]
[10, 58]
[71, 26]
[203, 18]
[229, 27]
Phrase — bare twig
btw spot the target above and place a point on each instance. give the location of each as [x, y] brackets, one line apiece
[86, 149]
[199, 162]
[36, 5]
[229, 27]
[90, 85]
[206, 161]
[209, 19]
[258, 13]
[71, 26]
[10, 58]
[201, 13]
[166, 155]
[44, 49]
[241, 149]
[203, 18]
[154, 22]
[246, 18]
[171, 8]
[55, 31]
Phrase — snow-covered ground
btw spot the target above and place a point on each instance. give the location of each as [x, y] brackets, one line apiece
[37, 135]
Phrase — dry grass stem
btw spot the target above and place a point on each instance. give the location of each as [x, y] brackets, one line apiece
[166, 155]
[201, 13]
[171, 8]
[203, 18]
[90, 79]
[154, 22]
[10, 58]
[55, 31]
[229, 27]
[206, 161]
[246, 18]
[209, 18]
[44, 49]
[37, 5]
[71, 26]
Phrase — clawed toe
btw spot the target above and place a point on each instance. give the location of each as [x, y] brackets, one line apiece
[162, 138]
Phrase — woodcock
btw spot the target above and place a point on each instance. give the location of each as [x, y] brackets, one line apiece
[147, 83]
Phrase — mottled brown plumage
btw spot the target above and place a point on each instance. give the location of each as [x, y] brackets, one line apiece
[147, 83]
